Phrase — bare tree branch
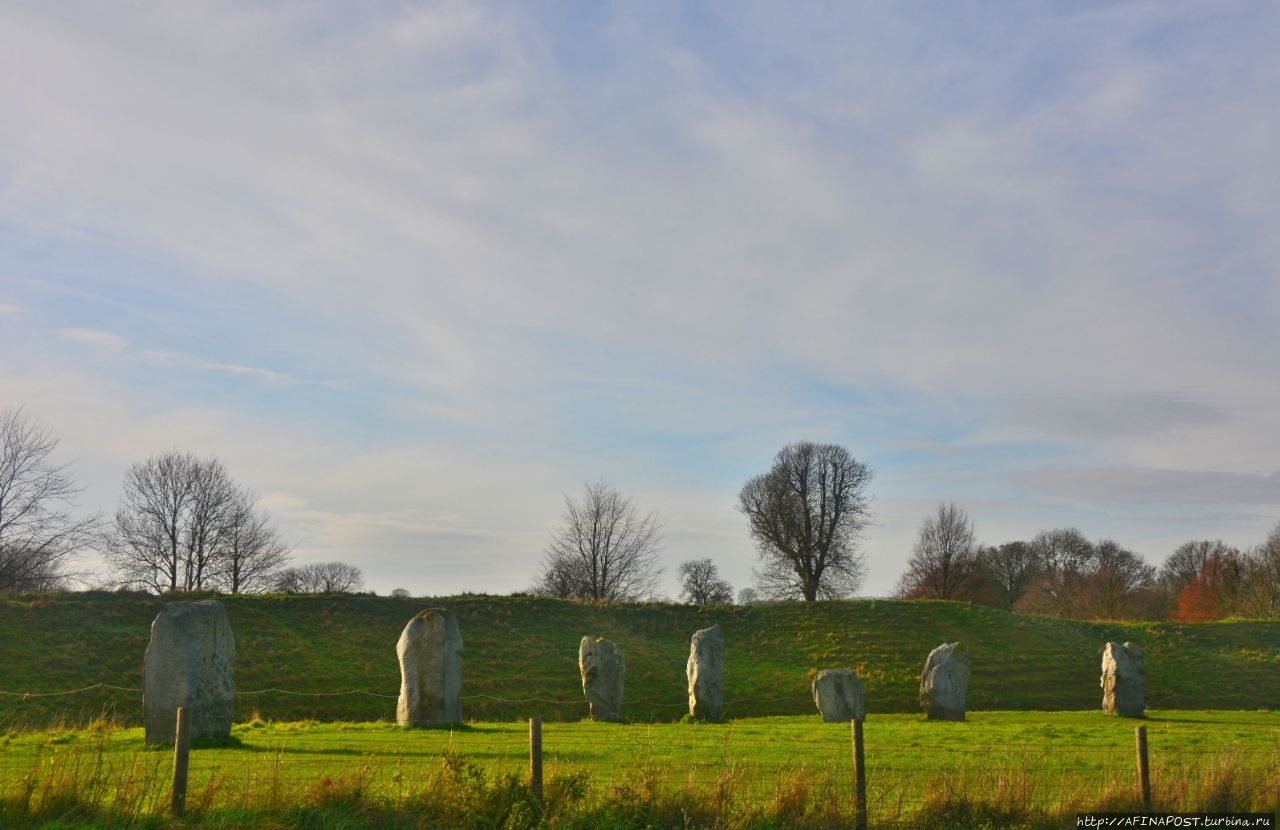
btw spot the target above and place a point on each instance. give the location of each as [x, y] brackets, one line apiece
[38, 531]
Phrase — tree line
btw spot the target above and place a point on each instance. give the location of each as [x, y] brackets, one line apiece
[183, 524]
[1062, 573]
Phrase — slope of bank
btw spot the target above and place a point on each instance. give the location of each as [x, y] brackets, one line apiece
[333, 657]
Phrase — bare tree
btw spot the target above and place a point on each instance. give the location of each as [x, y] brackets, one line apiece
[806, 515]
[1113, 588]
[211, 511]
[1260, 592]
[38, 531]
[944, 563]
[253, 552]
[320, 578]
[1007, 572]
[185, 525]
[748, 596]
[1064, 558]
[558, 578]
[602, 550]
[700, 583]
[146, 548]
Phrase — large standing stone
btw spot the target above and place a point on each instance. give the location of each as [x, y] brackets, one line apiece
[944, 681]
[430, 652]
[838, 695]
[1122, 680]
[603, 672]
[190, 662]
[706, 674]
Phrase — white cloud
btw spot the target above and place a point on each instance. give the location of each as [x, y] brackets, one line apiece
[528, 251]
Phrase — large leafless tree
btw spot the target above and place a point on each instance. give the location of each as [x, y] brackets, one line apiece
[1064, 559]
[1007, 572]
[806, 515]
[603, 549]
[184, 525]
[39, 531]
[944, 563]
[1113, 589]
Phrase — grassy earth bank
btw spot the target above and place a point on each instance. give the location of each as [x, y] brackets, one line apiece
[333, 657]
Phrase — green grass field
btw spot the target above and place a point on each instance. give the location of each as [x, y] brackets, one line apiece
[996, 769]
[520, 656]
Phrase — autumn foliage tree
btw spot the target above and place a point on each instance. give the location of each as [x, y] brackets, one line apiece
[1212, 592]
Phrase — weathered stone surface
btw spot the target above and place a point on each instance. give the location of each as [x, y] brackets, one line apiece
[1123, 678]
[706, 674]
[944, 681]
[838, 695]
[430, 652]
[603, 672]
[189, 662]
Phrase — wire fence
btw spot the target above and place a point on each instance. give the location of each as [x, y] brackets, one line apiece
[912, 765]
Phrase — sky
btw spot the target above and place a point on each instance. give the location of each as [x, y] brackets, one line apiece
[415, 271]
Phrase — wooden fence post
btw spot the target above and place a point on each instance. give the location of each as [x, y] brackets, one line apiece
[535, 756]
[859, 776]
[181, 756]
[1144, 771]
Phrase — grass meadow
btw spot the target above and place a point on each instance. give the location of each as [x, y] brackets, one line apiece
[998, 769]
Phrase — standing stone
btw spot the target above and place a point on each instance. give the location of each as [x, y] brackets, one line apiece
[838, 696]
[706, 674]
[1122, 680]
[603, 672]
[430, 652]
[944, 681]
[190, 662]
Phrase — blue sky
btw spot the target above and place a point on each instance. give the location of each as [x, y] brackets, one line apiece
[415, 272]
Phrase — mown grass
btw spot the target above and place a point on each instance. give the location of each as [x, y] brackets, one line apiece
[520, 656]
[998, 769]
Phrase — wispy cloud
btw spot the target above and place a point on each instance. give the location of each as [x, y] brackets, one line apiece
[1115, 416]
[1152, 486]
[95, 338]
